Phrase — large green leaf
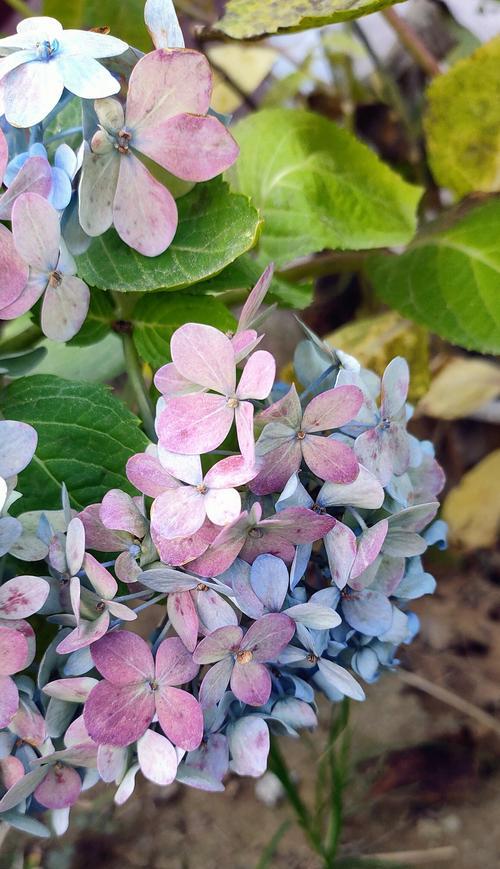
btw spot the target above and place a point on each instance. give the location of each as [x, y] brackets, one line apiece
[85, 436]
[318, 187]
[449, 279]
[462, 123]
[126, 19]
[244, 274]
[157, 316]
[215, 227]
[246, 19]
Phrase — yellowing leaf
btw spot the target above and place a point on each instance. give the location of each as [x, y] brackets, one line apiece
[246, 65]
[472, 509]
[460, 388]
[376, 340]
[463, 123]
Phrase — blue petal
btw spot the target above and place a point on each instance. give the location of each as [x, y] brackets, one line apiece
[13, 168]
[60, 194]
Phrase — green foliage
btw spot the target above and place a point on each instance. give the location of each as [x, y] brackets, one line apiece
[157, 316]
[318, 187]
[244, 274]
[246, 19]
[448, 279]
[215, 227]
[126, 20]
[98, 363]
[85, 437]
[100, 316]
[463, 123]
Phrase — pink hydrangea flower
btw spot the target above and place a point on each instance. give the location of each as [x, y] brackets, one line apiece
[239, 659]
[198, 423]
[35, 176]
[135, 687]
[14, 656]
[117, 525]
[52, 270]
[292, 435]
[349, 556]
[165, 119]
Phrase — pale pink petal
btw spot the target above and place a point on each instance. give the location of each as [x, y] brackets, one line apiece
[13, 651]
[123, 658]
[249, 746]
[84, 635]
[28, 724]
[74, 690]
[76, 733]
[222, 505]
[394, 389]
[223, 549]
[371, 451]
[97, 536]
[112, 762]
[4, 155]
[298, 525]
[11, 771]
[35, 177]
[254, 301]
[332, 409]
[271, 544]
[329, 459]
[144, 211]
[204, 355]
[195, 423]
[341, 549]
[33, 290]
[215, 682]
[118, 714]
[120, 611]
[182, 467]
[230, 472]
[251, 683]
[171, 383]
[218, 645]
[277, 466]
[244, 430]
[369, 545]
[13, 271]
[157, 758]
[60, 788]
[174, 663]
[178, 512]
[75, 545]
[166, 83]
[9, 699]
[23, 596]
[244, 342]
[127, 568]
[365, 491]
[258, 376]
[119, 512]
[184, 618]
[36, 231]
[266, 638]
[183, 550]
[191, 147]
[104, 584]
[65, 308]
[180, 717]
[213, 611]
[147, 474]
[287, 410]
[75, 597]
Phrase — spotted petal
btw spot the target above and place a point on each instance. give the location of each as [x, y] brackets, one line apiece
[123, 658]
[59, 789]
[144, 211]
[118, 714]
[13, 270]
[64, 308]
[13, 651]
[195, 423]
[180, 716]
[22, 596]
[157, 758]
[36, 230]
[332, 409]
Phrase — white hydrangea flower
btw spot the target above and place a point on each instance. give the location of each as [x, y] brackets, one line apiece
[42, 59]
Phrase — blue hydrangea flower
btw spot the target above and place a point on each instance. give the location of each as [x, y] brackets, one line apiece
[42, 59]
[63, 171]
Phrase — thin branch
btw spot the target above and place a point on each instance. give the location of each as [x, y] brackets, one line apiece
[328, 263]
[136, 380]
[414, 45]
[450, 698]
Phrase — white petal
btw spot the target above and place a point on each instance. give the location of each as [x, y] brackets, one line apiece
[222, 505]
[91, 44]
[31, 92]
[64, 308]
[86, 77]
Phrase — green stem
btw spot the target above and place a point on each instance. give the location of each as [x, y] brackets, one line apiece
[328, 263]
[21, 7]
[133, 365]
[24, 341]
[414, 45]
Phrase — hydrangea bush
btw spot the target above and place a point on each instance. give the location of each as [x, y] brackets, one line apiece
[277, 528]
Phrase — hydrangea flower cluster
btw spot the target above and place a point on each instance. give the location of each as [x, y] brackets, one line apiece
[140, 115]
[285, 568]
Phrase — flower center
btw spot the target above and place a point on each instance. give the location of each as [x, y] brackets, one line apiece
[301, 435]
[100, 606]
[55, 279]
[122, 141]
[202, 489]
[201, 587]
[232, 402]
[47, 48]
[385, 424]
[313, 659]
[153, 684]
[244, 657]
[256, 533]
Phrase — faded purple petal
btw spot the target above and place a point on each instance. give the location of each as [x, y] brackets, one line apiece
[191, 147]
[332, 409]
[340, 545]
[13, 270]
[329, 459]
[258, 376]
[118, 714]
[14, 651]
[180, 716]
[174, 663]
[195, 423]
[251, 683]
[123, 658]
[120, 513]
[104, 584]
[215, 682]
[144, 211]
[182, 613]
[218, 645]
[60, 788]
[268, 636]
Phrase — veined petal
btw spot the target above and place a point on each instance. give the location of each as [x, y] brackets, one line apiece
[277, 466]
[118, 714]
[120, 512]
[369, 545]
[268, 636]
[86, 77]
[171, 383]
[191, 147]
[184, 618]
[174, 663]
[31, 91]
[98, 182]
[35, 176]
[180, 716]
[178, 512]
[218, 645]
[195, 423]
[14, 651]
[104, 584]
[157, 758]
[36, 231]
[147, 474]
[144, 211]
[340, 679]
[287, 410]
[123, 658]
[258, 376]
[340, 545]
[215, 682]
[13, 271]
[91, 44]
[254, 301]
[64, 308]
[329, 459]
[84, 635]
[332, 409]
[167, 83]
[251, 683]
[228, 473]
[204, 355]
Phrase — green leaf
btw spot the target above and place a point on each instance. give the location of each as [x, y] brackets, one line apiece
[156, 317]
[97, 326]
[85, 436]
[19, 364]
[98, 363]
[448, 279]
[318, 187]
[126, 20]
[246, 19]
[244, 274]
[215, 227]
[462, 123]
